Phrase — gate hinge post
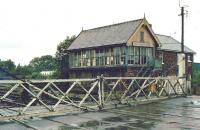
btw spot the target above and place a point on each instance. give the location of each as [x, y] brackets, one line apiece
[101, 91]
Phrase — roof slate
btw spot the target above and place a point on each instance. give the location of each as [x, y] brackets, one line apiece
[170, 44]
[107, 35]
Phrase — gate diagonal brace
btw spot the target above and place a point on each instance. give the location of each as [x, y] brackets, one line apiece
[163, 88]
[126, 91]
[181, 88]
[88, 93]
[142, 87]
[10, 91]
[86, 96]
[65, 95]
[36, 97]
[141, 90]
[53, 96]
[113, 88]
[173, 87]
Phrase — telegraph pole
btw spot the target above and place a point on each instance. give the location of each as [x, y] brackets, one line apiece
[184, 63]
[182, 29]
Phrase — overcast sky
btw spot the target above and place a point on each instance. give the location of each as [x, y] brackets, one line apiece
[31, 28]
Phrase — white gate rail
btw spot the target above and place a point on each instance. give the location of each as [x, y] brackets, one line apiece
[88, 94]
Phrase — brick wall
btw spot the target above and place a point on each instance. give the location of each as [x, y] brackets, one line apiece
[170, 63]
[94, 72]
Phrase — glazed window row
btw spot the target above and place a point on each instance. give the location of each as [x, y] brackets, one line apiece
[115, 56]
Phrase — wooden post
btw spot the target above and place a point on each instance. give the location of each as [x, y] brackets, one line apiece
[100, 91]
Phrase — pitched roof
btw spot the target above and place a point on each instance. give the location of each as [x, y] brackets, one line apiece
[170, 44]
[118, 34]
[106, 35]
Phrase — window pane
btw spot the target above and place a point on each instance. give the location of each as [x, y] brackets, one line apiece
[84, 60]
[136, 55]
[111, 57]
[87, 58]
[76, 59]
[117, 55]
[101, 56]
[123, 55]
[107, 56]
[92, 58]
[131, 55]
[79, 58]
[141, 36]
[97, 57]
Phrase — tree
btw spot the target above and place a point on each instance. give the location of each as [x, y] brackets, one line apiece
[7, 65]
[61, 48]
[23, 71]
[62, 57]
[43, 63]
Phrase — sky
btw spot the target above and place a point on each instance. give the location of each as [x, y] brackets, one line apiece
[32, 28]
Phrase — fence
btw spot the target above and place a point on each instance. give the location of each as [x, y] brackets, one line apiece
[87, 94]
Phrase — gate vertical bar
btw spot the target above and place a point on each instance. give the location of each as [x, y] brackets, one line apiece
[100, 91]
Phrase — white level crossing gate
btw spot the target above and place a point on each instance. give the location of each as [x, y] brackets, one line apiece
[56, 96]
